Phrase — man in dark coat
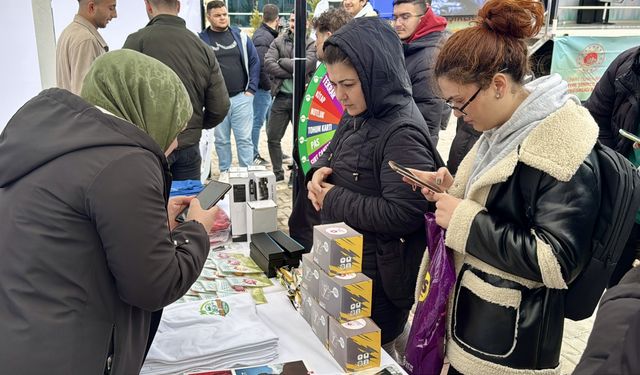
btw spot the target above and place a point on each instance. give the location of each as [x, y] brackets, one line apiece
[422, 33]
[167, 39]
[279, 65]
[615, 104]
[262, 39]
[352, 181]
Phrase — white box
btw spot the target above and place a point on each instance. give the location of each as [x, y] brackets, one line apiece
[265, 185]
[238, 204]
[262, 217]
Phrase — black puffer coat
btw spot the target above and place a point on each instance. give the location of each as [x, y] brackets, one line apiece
[385, 209]
[262, 39]
[615, 101]
[420, 57]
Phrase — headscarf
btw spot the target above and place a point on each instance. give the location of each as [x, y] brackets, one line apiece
[141, 90]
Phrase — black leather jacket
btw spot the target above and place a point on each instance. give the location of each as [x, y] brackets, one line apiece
[521, 235]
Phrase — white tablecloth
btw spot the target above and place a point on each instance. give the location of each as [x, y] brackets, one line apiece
[297, 340]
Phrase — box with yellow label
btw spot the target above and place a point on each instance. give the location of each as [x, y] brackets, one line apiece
[355, 345]
[337, 248]
[345, 297]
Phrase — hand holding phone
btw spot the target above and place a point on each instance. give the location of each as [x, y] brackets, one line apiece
[413, 178]
[208, 197]
[629, 136]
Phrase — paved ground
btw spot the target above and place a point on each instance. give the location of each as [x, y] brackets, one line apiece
[575, 333]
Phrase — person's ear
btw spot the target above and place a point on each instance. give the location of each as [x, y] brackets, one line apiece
[147, 4]
[178, 3]
[91, 7]
[500, 85]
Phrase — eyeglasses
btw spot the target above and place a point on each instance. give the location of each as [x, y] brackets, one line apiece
[404, 17]
[461, 109]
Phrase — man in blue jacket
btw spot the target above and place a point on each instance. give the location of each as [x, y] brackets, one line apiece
[240, 67]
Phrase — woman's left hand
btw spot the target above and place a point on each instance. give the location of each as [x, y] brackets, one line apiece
[445, 205]
[174, 207]
[325, 187]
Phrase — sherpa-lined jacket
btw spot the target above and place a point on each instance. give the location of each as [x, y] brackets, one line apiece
[519, 238]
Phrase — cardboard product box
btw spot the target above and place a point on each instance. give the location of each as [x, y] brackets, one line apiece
[292, 248]
[310, 276]
[262, 216]
[337, 248]
[355, 345]
[266, 253]
[238, 199]
[345, 297]
[306, 306]
[320, 323]
[265, 185]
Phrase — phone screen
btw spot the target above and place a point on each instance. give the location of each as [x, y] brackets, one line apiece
[408, 174]
[208, 197]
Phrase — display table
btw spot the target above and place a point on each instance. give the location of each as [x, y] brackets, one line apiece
[296, 339]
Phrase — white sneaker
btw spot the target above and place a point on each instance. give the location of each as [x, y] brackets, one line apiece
[224, 177]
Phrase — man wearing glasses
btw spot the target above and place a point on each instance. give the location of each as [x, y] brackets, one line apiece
[422, 33]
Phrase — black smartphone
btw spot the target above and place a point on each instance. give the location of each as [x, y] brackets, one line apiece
[208, 197]
[408, 174]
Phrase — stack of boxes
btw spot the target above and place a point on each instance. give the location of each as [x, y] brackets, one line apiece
[336, 297]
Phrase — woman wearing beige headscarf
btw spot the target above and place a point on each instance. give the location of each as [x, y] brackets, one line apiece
[90, 252]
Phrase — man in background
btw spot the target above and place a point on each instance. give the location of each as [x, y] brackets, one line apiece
[327, 23]
[240, 66]
[422, 33]
[166, 38]
[262, 39]
[279, 64]
[359, 8]
[80, 43]
[303, 215]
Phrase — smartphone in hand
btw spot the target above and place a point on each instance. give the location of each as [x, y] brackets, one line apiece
[415, 179]
[208, 197]
[629, 136]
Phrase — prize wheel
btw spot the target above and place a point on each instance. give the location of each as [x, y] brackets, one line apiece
[319, 117]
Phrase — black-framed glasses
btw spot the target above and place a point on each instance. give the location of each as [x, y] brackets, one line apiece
[461, 109]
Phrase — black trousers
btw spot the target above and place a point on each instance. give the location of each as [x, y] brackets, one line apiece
[185, 163]
[279, 118]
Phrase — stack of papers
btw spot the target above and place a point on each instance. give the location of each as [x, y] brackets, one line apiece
[211, 333]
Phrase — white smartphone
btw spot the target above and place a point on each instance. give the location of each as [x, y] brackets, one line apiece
[629, 136]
